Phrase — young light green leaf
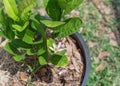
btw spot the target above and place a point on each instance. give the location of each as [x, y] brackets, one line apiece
[42, 60]
[52, 24]
[61, 52]
[59, 60]
[17, 27]
[25, 7]
[50, 42]
[69, 5]
[19, 57]
[72, 26]
[26, 4]
[53, 10]
[45, 2]
[11, 9]
[20, 28]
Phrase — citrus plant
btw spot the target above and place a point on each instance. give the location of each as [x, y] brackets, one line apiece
[26, 30]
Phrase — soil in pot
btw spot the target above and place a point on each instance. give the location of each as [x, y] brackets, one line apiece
[17, 74]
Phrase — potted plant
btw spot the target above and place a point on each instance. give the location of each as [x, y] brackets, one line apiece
[30, 35]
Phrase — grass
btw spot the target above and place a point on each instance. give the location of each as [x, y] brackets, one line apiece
[92, 18]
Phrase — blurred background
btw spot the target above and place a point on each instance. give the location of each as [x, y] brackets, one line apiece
[101, 32]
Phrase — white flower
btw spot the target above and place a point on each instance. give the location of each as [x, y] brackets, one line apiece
[57, 48]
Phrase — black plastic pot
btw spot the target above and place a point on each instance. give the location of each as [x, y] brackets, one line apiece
[86, 57]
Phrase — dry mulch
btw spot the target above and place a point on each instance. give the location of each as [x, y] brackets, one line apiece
[17, 74]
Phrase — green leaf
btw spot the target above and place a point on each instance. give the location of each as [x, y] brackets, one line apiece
[52, 24]
[38, 49]
[50, 42]
[20, 28]
[25, 7]
[53, 10]
[18, 43]
[39, 27]
[28, 36]
[2, 18]
[2, 34]
[42, 31]
[73, 25]
[61, 52]
[42, 49]
[11, 9]
[24, 4]
[45, 2]
[30, 68]
[59, 60]
[38, 40]
[19, 57]
[30, 52]
[68, 5]
[42, 60]
[6, 29]
[11, 49]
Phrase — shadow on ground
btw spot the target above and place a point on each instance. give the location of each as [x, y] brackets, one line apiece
[116, 8]
[7, 63]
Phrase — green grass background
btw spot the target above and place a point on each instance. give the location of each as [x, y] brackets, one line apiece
[110, 75]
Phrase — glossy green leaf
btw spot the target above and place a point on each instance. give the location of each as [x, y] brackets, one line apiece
[53, 10]
[68, 5]
[52, 24]
[73, 25]
[28, 36]
[11, 49]
[30, 52]
[42, 60]
[20, 28]
[59, 60]
[11, 9]
[19, 57]
[39, 27]
[18, 43]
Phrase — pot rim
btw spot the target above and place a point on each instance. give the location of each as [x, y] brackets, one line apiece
[81, 43]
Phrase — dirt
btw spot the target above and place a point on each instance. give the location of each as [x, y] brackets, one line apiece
[17, 74]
